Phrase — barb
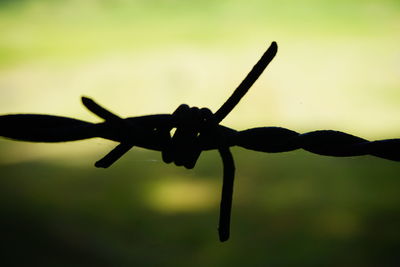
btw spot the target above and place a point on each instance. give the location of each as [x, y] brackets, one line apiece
[197, 130]
[247, 83]
[99, 110]
[113, 155]
[227, 193]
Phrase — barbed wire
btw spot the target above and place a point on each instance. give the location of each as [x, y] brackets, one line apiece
[196, 130]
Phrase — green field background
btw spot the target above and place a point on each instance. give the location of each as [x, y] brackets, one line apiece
[338, 67]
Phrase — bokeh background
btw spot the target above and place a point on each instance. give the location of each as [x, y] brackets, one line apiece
[338, 67]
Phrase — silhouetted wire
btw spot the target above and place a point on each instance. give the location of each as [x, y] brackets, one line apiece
[196, 130]
[99, 110]
[246, 84]
[113, 155]
[227, 193]
[226, 155]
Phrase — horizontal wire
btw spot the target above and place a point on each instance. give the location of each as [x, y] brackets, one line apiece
[196, 130]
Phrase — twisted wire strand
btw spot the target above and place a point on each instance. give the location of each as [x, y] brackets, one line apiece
[322, 142]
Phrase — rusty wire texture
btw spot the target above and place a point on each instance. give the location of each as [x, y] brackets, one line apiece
[196, 130]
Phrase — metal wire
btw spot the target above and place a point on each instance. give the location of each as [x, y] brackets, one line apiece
[196, 130]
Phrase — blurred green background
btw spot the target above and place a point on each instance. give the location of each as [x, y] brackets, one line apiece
[337, 67]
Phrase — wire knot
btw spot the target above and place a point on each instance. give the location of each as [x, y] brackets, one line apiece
[192, 124]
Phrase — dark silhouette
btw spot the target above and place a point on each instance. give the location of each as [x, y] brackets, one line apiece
[196, 130]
